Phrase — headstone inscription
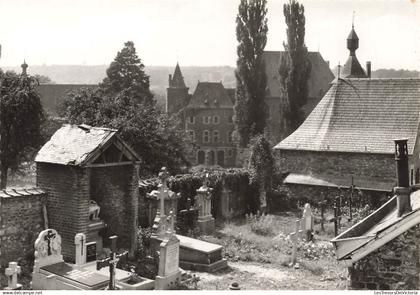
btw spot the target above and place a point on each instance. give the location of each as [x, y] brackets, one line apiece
[111, 262]
[91, 252]
[11, 272]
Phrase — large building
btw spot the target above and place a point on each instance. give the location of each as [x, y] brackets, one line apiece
[207, 113]
[349, 135]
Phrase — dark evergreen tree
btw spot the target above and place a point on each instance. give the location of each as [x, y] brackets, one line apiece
[123, 101]
[251, 81]
[295, 68]
[21, 115]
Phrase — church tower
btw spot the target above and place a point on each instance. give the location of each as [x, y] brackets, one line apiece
[352, 67]
[177, 93]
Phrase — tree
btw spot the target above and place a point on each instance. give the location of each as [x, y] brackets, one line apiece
[261, 166]
[123, 101]
[251, 81]
[295, 67]
[43, 79]
[21, 115]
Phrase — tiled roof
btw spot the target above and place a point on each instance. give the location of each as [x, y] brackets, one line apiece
[52, 95]
[20, 192]
[361, 115]
[319, 80]
[360, 182]
[210, 95]
[74, 145]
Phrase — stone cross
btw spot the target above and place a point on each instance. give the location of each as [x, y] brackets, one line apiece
[295, 238]
[11, 272]
[111, 262]
[48, 237]
[163, 176]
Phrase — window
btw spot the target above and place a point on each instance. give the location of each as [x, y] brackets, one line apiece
[215, 136]
[216, 120]
[230, 118]
[412, 176]
[230, 153]
[191, 135]
[206, 119]
[206, 136]
[230, 136]
[191, 119]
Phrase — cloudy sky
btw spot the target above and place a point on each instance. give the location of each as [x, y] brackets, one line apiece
[199, 32]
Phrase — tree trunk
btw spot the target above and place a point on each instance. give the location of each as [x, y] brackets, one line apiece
[3, 177]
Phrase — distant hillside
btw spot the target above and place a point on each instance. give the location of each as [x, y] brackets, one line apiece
[390, 73]
[81, 74]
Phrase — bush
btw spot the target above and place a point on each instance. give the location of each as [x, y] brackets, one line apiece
[263, 225]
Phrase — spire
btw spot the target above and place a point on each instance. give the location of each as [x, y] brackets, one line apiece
[352, 67]
[24, 67]
[177, 80]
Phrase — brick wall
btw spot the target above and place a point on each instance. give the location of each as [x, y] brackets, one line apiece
[396, 265]
[67, 190]
[370, 165]
[21, 220]
[115, 189]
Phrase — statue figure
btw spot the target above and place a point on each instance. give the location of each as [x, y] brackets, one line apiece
[94, 210]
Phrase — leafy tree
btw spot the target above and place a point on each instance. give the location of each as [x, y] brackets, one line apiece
[251, 81]
[295, 67]
[21, 115]
[261, 166]
[123, 101]
[43, 79]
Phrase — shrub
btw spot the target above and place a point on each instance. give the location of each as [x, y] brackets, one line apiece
[263, 225]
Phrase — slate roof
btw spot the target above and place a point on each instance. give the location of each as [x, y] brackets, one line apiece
[75, 145]
[177, 79]
[352, 68]
[361, 115]
[53, 94]
[210, 95]
[319, 80]
[361, 182]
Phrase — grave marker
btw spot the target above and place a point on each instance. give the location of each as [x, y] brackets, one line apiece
[91, 250]
[111, 262]
[11, 272]
[80, 242]
[295, 239]
[203, 202]
[308, 222]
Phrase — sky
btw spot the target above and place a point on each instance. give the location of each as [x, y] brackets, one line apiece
[199, 32]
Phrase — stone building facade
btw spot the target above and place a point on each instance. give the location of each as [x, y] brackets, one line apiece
[350, 133]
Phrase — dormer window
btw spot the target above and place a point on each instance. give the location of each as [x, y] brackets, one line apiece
[206, 102]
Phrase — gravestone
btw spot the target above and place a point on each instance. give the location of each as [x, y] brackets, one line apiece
[203, 203]
[11, 272]
[187, 219]
[91, 251]
[308, 222]
[169, 271]
[52, 273]
[80, 242]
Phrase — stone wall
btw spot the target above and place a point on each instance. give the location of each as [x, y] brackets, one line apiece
[370, 165]
[115, 189]
[21, 219]
[395, 266]
[67, 189]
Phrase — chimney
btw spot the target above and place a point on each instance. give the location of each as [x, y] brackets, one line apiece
[402, 191]
[368, 69]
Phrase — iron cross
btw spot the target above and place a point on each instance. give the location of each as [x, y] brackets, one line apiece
[48, 238]
[111, 261]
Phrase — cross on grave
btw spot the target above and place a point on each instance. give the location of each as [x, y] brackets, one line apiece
[111, 262]
[11, 272]
[295, 237]
[50, 235]
[163, 176]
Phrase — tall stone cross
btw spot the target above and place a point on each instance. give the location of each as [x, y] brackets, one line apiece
[163, 176]
[11, 272]
[48, 237]
[111, 262]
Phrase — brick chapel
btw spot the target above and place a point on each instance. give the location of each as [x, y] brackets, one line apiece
[348, 137]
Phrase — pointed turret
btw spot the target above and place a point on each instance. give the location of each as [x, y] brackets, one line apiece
[352, 67]
[24, 67]
[177, 92]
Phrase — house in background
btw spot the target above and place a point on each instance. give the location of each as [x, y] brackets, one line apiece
[207, 114]
[350, 134]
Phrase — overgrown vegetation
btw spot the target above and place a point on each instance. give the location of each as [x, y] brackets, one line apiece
[123, 101]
